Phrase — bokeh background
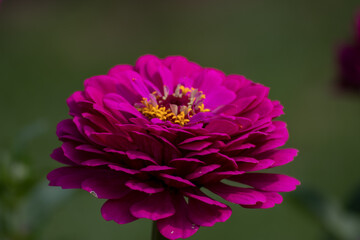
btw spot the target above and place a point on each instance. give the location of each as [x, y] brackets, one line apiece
[48, 48]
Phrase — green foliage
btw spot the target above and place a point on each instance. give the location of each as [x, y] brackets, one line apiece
[26, 201]
[337, 222]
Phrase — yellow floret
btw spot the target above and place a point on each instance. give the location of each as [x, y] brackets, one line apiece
[202, 108]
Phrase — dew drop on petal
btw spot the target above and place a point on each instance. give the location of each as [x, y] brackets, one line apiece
[93, 193]
[172, 232]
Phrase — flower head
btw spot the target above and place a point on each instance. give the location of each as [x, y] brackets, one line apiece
[149, 138]
[349, 60]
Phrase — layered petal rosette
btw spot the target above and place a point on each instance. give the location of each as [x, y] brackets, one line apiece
[150, 138]
[349, 61]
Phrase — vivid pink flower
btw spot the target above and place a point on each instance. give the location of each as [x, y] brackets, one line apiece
[349, 59]
[150, 137]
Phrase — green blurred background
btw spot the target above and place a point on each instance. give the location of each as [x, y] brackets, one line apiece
[48, 48]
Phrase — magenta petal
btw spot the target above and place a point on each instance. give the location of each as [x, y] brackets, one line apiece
[277, 109]
[147, 186]
[178, 161]
[147, 66]
[58, 155]
[201, 117]
[139, 155]
[170, 151]
[95, 162]
[260, 165]
[185, 166]
[225, 161]
[175, 181]
[221, 96]
[66, 130]
[156, 168]
[194, 139]
[72, 177]
[98, 83]
[237, 195]
[268, 181]
[117, 152]
[209, 80]
[245, 159]
[182, 69]
[200, 196]
[106, 187]
[166, 77]
[116, 102]
[280, 156]
[111, 140]
[264, 108]
[272, 198]
[78, 102]
[207, 215]
[202, 171]
[89, 148]
[118, 210]
[240, 147]
[195, 146]
[241, 104]
[217, 176]
[99, 122]
[178, 225]
[75, 155]
[202, 153]
[117, 70]
[137, 83]
[235, 81]
[222, 126]
[123, 169]
[274, 143]
[156, 206]
[148, 144]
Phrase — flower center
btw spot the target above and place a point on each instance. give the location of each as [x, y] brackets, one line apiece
[177, 108]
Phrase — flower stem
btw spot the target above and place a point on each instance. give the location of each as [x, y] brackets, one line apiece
[156, 235]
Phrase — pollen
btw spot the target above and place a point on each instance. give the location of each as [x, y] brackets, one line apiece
[152, 111]
[203, 109]
[177, 108]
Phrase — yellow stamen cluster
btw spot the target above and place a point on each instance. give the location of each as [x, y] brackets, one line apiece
[162, 113]
[154, 109]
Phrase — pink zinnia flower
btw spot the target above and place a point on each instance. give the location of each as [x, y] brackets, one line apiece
[150, 137]
[349, 59]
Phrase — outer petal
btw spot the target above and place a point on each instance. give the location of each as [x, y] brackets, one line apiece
[58, 155]
[178, 225]
[207, 215]
[268, 181]
[272, 198]
[72, 177]
[280, 156]
[176, 181]
[238, 195]
[66, 130]
[147, 186]
[119, 209]
[107, 187]
[198, 195]
[156, 206]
